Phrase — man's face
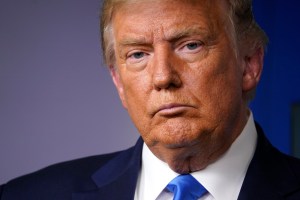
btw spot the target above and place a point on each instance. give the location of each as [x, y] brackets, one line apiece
[181, 78]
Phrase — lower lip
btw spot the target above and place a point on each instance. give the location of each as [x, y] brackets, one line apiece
[173, 111]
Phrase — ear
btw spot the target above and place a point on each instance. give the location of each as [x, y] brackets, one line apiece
[253, 69]
[118, 83]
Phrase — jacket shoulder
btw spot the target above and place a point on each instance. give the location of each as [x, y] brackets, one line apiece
[287, 181]
[57, 181]
[271, 173]
[293, 164]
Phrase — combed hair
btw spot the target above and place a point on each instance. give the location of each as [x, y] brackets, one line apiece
[248, 32]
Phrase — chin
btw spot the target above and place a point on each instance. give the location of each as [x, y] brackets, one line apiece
[170, 141]
[178, 140]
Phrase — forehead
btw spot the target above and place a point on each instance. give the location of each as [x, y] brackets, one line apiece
[153, 16]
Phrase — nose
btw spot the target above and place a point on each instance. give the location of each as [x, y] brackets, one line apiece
[165, 70]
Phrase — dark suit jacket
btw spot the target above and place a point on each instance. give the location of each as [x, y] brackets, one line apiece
[270, 176]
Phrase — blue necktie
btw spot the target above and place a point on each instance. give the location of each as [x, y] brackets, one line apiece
[186, 187]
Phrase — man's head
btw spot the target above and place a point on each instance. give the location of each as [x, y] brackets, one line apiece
[184, 70]
[240, 13]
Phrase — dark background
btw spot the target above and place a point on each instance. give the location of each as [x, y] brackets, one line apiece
[57, 101]
[280, 85]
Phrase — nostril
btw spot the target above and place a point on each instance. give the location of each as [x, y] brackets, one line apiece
[166, 81]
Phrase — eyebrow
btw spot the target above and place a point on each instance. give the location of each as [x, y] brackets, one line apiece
[172, 37]
[187, 32]
[133, 41]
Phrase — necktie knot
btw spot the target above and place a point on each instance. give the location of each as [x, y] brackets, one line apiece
[186, 187]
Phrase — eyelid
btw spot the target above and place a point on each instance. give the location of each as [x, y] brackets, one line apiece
[131, 60]
[184, 44]
[131, 53]
[180, 42]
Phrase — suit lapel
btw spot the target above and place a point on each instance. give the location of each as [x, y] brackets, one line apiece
[268, 176]
[117, 179]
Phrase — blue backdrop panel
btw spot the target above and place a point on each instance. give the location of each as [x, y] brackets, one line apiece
[280, 84]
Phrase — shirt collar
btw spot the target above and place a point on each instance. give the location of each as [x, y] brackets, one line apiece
[154, 176]
[223, 178]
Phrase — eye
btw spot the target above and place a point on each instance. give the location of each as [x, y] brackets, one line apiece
[190, 50]
[137, 55]
[193, 45]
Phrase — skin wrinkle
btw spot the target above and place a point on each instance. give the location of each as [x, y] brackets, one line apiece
[240, 14]
[208, 83]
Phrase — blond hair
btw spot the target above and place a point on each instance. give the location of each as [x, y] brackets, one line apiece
[247, 30]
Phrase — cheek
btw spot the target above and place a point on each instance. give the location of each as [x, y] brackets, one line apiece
[134, 94]
[136, 91]
[217, 85]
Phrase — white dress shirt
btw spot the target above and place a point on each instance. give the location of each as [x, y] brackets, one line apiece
[222, 179]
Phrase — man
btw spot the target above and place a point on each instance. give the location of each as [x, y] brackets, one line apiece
[185, 70]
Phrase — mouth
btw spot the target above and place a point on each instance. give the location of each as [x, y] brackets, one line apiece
[172, 109]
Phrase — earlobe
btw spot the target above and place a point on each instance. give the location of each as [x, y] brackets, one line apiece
[118, 83]
[253, 69]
